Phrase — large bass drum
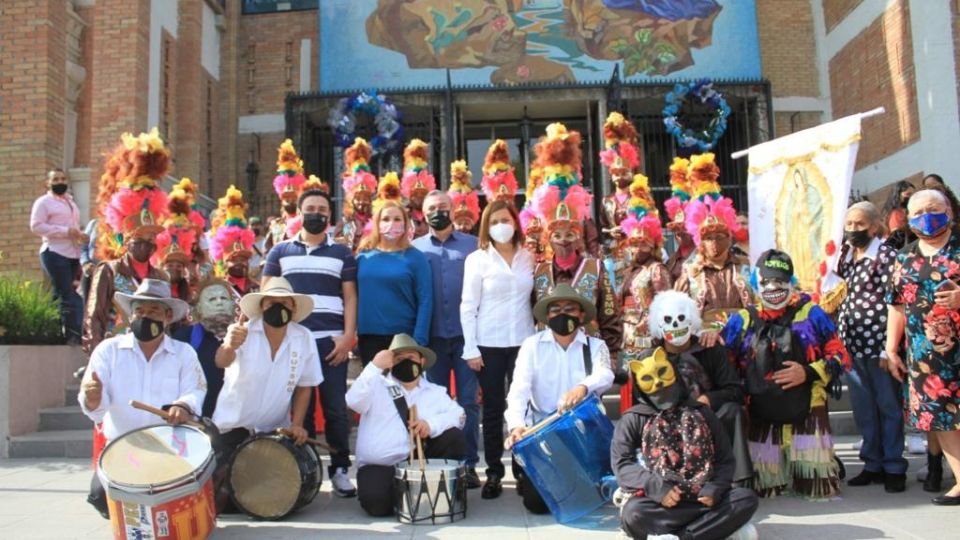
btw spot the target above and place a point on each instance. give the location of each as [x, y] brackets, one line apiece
[271, 477]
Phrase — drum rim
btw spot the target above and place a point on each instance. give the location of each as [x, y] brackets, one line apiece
[193, 476]
[433, 519]
[298, 503]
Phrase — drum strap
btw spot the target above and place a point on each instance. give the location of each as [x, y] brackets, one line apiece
[587, 359]
[400, 403]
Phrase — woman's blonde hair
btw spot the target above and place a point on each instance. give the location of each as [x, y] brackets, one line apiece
[371, 240]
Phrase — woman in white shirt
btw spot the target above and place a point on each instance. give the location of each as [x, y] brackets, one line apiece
[497, 315]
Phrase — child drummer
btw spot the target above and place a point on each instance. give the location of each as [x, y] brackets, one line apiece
[384, 394]
[673, 461]
[556, 368]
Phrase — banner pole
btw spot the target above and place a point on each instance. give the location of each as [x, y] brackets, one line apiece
[872, 112]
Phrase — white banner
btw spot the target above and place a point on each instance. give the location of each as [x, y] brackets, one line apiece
[798, 190]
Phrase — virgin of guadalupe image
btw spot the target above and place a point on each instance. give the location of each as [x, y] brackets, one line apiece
[804, 220]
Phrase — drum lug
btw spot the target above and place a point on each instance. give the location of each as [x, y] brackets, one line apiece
[545, 448]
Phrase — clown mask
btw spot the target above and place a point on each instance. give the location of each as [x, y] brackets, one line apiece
[774, 293]
[656, 378]
[674, 318]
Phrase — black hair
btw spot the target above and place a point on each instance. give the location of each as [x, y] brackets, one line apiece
[315, 193]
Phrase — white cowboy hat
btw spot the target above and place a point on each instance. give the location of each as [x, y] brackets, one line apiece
[152, 290]
[277, 287]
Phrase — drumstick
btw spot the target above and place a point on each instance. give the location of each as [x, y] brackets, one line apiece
[413, 415]
[315, 442]
[160, 412]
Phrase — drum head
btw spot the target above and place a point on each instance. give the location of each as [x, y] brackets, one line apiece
[265, 478]
[155, 456]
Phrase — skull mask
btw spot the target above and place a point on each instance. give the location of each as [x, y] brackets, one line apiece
[674, 318]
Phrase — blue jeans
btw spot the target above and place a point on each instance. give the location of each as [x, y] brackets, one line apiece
[61, 271]
[449, 353]
[333, 398]
[875, 397]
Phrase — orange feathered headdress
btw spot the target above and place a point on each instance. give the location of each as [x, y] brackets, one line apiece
[499, 182]
[560, 200]
[388, 190]
[289, 180]
[466, 202]
[620, 154]
[417, 180]
[176, 241]
[233, 238]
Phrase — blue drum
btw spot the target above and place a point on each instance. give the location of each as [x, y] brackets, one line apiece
[567, 458]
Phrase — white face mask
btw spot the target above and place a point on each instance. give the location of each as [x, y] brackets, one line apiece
[502, 232]
[676, 329]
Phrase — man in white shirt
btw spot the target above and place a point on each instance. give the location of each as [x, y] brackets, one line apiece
[556, 368]
[269, 362]
[383, 394]
[144, 365]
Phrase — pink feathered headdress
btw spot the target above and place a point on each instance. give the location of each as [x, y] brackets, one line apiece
[142, 211]
[417, 180]
[499, 182]
[619, 138]
[356, 175]
[560, 200]
[709, 216]
[289, 180]
[233, 238]
[466, 202]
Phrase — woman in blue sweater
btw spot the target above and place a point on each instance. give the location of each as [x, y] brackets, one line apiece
[393, 282]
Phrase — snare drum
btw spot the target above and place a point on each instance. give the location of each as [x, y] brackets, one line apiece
[158, 483]
[567, 458]
[437, 494]
[271, 477]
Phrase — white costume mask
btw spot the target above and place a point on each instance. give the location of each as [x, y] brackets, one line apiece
[216, 308]
[674, 318]
[775, 294]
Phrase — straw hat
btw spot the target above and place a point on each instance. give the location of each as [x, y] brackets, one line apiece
[403, 342]
[564, 292]
[277, 287]
[152, 290]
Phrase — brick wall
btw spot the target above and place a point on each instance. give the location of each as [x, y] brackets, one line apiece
[834, 11]
[876, 68]
[31, 119]
[787, 47]
[786, 123]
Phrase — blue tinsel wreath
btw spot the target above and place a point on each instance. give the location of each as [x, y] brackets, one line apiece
[704, 140]
[386, 117]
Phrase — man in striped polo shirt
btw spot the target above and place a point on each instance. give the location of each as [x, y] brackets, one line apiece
[327, 272]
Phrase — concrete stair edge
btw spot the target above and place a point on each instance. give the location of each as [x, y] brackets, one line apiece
[72, 443]
[68, 417]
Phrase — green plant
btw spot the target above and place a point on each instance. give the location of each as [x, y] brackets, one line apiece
[644, 55]
[28, 313]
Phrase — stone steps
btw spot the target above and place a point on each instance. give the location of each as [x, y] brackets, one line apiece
[64, 418]
[72, 443]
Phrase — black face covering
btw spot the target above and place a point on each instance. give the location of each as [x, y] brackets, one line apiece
[666, 398]
[146, 329]
[59, 189]
[237, 271]
[439, 220]
[857, 239]
[406, 371]
[290, 208]
[563, 324]
[277, 315]
[314, 223]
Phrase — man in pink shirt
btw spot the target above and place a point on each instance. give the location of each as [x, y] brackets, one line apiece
[56, 219]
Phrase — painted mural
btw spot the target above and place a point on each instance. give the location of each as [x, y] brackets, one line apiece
[411, 43]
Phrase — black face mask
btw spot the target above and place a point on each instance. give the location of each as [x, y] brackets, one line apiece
[277, 315]
[314, 223]
[857, 239]
[237, 271]
[406, 371]
[290, 208]
[564, 324]
[666, 398]
[146, 329]
[439, 220]
[59, 189]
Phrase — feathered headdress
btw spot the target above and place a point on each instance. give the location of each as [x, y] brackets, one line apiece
[466, 202]
[357, 177]
[643, 220]
[499, 182]
[620, 154]
[131, 203]
[289, 180]
[680, 189]
[176, 241]
[417, 180]
[233, 238]
[560, 200]
[314, 182]
[190, 189]
[707, 211]
[388, 190]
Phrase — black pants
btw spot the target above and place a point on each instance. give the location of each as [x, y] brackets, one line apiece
[532, 500]
[225, 447]
[495, 379]
[61, 271]
[732, 417]
[689, 520]
[375, 482]
[368, 345]
[98, 496]
[333, 392]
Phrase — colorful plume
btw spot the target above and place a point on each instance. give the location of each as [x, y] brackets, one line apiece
[499, 181]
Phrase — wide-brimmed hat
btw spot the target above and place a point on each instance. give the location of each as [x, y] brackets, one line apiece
[277, 287]
[403, 342]
[152, 290]
[564, 292]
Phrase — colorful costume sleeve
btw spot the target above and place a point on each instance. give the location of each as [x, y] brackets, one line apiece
[825, 351]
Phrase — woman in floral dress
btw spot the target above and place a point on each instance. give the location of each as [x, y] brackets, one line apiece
[923, 301]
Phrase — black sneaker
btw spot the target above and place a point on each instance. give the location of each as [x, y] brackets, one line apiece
[865, 478]
[895, 483]
[471, 478]
[492, 488]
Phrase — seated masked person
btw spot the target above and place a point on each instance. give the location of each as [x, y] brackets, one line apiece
[143, 365]
[673, 462]
[790, 358]
[384, 394]
[556, 368]
[270, 367]
[708, 374]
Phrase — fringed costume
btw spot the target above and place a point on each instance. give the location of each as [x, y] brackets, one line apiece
[288, 184]
[622, 159]
[359, 186]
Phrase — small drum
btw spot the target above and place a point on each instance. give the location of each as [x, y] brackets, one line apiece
[567, 458]
[437, 494]
[271, 477]
[158, 483]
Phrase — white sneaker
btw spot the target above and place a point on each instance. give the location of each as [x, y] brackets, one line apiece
[662, 537]
[916, 444]
[342, 486]
[747, 532]
[858, 445]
